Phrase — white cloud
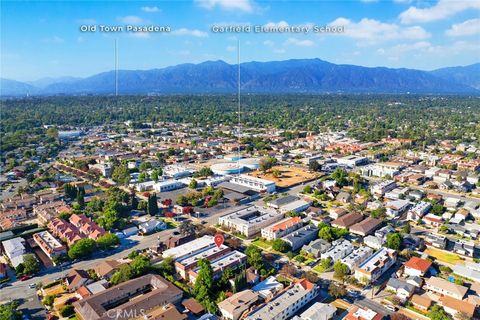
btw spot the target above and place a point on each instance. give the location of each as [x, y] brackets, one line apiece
[402, 1]
[426, 49]
[375, 31]
[87, 21]
[150, 9]
[243, 5]
[231, 48]
[279, 51]
[299, 43]
[269, 43]
[466, 28]
[190, 32]
[441, 10]
[131, 20]
[280, 24]
[54, 39]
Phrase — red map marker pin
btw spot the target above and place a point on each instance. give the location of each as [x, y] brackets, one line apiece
[218, 240]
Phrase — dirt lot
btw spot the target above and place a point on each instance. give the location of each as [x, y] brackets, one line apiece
[289, 176]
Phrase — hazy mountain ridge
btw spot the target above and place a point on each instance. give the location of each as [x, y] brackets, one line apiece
[289, 76]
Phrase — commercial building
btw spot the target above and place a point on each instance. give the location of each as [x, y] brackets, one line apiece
[301, 236]
[124, 301]
[232, 308]
[251, 220]
[51, 246]
[286, 304]
[257, 184]
[168, 185]
[177, 171]
[372, 268]
[295, 206]
[282, 228]
[352, 160]
[189, 247]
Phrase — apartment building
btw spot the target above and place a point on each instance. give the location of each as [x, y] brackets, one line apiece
[286, 304]
[125, 300]
[233, 259]
[419, 210]
[251, 220]
[49, 244]
[281, 228]
[356, 257]
[379, 189]
[372, 268]
[65, 231]
[302, 236]
[340, 249]
[86, 226]
[233, 307]
[15, 249]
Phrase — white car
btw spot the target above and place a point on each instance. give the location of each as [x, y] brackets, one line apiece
[390, 307]
[32, 285]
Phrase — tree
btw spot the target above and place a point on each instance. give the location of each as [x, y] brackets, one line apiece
[437, 209]
[8, 311]
[193, 184]
[52, 132]
[67, 311]
[140, 265]
[203, 288]
[108, 241]
[48, 300]
[326, 234]
[394, 240]
[307, 189]
[254, 257]
[407, 228]
[152, 205]
[462, 315]
[82, 248]
[167, 266]
[110, 218]
[379, 213]
[288, 270]
[281, 246]
[30, 263]
[81, 196]
[438, 313]
[336, 290]
[204, 172]
[314, 166]
[325, 264]
[340, 270]
[121, 174]
[133, 201]
[187, 228]
[340, 176]
[182, 200]
[266, 163]
[123, 274]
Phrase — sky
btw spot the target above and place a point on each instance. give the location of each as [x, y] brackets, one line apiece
[44, 38]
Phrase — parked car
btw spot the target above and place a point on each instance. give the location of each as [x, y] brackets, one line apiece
[25, 277]
[32, 285]
[390, 307]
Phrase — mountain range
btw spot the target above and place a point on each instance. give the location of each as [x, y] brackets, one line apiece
[289, 76]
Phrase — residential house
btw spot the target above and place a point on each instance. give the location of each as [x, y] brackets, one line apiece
[268, 288]
[422, 302]
[15, 250]
[347, 220]
[357, 313]
[340, 249]
[454, 306]
[417, 267]
[402, 289]
[373, 242]
[366, 227]
[106, 268]
[151, 226]
[316, 247]
[77, 278]
[445, 288]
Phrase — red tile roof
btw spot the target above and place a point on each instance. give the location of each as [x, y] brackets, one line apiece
[418, 264]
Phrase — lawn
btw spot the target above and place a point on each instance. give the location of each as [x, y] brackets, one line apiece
[318, 268]
[262, 244]
[447, 257]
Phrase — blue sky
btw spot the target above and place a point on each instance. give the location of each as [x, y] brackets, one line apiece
[43, 38]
